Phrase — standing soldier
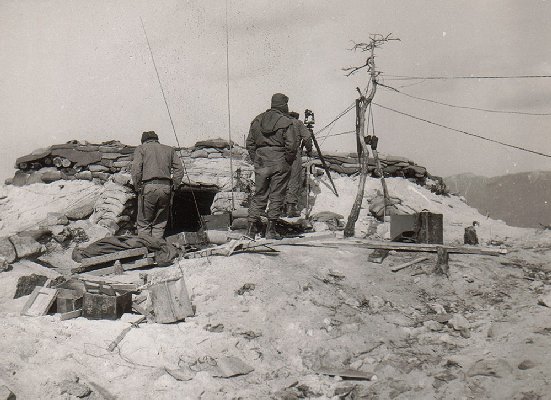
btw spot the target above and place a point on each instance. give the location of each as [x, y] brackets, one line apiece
[156, 168]
[272, 144]
[296, 180]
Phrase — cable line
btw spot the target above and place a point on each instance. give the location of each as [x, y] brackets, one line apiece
[406, 77]
[464, 132]
[463, 107]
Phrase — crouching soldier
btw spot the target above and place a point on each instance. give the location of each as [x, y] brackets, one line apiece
[296, 179]
[272, 145]
[156, 168]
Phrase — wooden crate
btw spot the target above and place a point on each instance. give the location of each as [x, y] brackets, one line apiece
[68, 300]
[105, 302]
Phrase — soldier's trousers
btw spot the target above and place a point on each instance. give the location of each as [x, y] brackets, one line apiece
[296, 181]
[270, 185]
[153, 209]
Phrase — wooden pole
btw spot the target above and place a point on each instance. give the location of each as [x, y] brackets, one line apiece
[363, 103]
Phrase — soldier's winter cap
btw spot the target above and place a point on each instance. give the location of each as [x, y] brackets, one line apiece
[149, 135]
[279, 102]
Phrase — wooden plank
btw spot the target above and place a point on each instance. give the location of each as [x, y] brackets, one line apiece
[70, 315]
[413, 247]
[405, 265]
[170, 301]
[88, 264]
[140, 263]
[39, 302]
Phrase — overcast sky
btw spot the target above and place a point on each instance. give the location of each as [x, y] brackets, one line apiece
[82, 70]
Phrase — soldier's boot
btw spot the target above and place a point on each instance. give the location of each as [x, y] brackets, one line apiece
[271, 232]
[252, 229]
[292, 211]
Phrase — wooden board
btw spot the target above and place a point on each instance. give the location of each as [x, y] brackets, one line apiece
[70, 315]
[88, 264]
[430, 248]
[39, 302]
[140, 263]
[170, 301]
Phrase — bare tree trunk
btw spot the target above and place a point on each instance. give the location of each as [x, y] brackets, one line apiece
[361, 108]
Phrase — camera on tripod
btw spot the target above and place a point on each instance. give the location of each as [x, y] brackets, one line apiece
[309, 120]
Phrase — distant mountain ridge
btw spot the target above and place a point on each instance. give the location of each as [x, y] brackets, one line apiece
[522, 199]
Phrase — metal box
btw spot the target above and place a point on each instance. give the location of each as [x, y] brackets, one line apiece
[218, 222]
[106, 306]
[423, 227]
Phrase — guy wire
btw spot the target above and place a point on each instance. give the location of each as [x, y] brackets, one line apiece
[229, 111]
[173, 128]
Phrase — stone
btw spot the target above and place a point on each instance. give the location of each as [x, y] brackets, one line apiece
[4, 265]
[199, 154]
[54, 219]
[497, 368]
[84, 175]
[34, 177]
[97, 168]
[51, 176]
[215, 155]
[74, 389]
[545, 300]
[7, 251]
[80, 212]
[20, 178]
[433, 326]
[25, 246]
[459, 323]
[6, 393]
[376, 303]
[526, 364]
[27, 283]
[103, 176]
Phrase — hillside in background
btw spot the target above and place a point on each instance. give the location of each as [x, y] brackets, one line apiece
[522, 199]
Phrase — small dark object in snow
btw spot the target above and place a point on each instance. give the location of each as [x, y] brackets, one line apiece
[247, 287]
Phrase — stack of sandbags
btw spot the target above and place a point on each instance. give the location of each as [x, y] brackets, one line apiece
[73, 160]
[392, 166]
[113, 209]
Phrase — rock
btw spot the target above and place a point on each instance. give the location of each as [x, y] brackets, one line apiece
[122, 178]
[433, 326]
[84, 175]
[526, 364]
[25, 246]
[4, 265]
[460, 324]
[26, 284]
[215, 155]
[545, 300]
[97, 168]
[80, 212]
[103, 176]
[6, 393]
[20, 178]
[54, 219]
[199, 154]
[74, 389]
[51, 176]
[376, 303]
[7, 251]
[497, 368]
